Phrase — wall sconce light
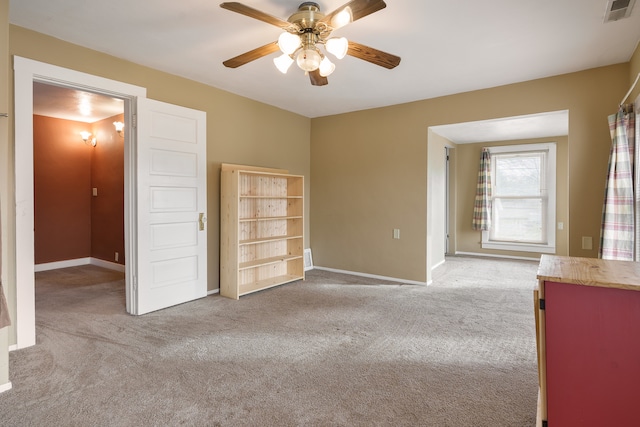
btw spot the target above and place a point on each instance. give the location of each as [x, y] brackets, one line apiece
[119, 128]
[86, 137]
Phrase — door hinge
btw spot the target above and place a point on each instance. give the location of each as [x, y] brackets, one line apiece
[541, 303]
[545, 423]
[134, 120]
[135, 283]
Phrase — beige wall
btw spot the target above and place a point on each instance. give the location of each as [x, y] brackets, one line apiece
[369, 168]
[635, 70]
[369, 176]
[467, 162]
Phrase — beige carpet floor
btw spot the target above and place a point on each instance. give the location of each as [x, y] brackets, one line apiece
[334, 350]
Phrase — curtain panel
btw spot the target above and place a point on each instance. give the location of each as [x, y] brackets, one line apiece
[617, 234]
[482, 204]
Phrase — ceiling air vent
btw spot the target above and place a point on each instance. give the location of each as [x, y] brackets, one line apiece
[618, 9]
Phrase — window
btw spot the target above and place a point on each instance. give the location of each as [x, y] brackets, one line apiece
[523, 181]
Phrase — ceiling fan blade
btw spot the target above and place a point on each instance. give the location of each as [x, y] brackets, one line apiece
[252, 55]
[317, 79]
[254, 13]
[372, 55]
[356, 8]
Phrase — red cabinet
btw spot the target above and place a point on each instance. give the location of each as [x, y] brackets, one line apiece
[589, 342]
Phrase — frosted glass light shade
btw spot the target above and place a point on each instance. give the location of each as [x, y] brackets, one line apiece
[308, 59]
[288, 43]
[337, 46]
[283, 62]
[119, 126]
[342, 18]
[86, 137]
[326, 67]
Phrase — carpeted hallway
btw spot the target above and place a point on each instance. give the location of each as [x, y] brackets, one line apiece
[334, 350]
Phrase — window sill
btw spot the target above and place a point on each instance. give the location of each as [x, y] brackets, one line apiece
[520, 247]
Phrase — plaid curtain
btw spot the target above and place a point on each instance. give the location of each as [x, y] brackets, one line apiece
[617, 235]
[482, 205]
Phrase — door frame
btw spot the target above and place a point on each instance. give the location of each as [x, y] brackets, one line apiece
[447, 203]
[26, 71]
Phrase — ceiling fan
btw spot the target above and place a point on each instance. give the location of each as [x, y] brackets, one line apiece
[305, 31]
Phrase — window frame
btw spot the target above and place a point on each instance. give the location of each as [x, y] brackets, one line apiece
[549, 179]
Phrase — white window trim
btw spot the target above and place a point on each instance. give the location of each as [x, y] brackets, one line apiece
[550, 246]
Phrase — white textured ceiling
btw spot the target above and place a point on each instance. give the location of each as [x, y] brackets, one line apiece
[555, 123]
[64, 103]
[446, 47]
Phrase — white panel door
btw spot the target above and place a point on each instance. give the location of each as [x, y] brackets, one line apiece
[171, 200]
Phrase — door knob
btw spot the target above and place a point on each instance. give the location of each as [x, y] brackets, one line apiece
[201, 220]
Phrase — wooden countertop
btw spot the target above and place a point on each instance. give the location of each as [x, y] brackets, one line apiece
[590, 272]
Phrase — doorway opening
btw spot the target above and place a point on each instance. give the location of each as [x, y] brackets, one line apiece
[27, 74]
[78, 184]
[164, 195]
[453, 177]
[78, 155]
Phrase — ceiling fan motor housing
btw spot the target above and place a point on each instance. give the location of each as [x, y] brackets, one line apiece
[307, 16]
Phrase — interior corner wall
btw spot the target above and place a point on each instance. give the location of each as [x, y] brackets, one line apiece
[62, 190]
[369, 168]
[107, 177]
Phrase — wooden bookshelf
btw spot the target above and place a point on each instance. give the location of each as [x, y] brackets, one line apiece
[261, 229]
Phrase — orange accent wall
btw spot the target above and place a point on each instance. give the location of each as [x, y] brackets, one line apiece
[70, 222]
[107, 208]
[62, 190]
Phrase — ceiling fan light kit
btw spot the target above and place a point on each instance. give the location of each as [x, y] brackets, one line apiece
[305, 31]
[337, 46]
[309, 59]
[288, 43]
[283, 62]
[326, 67]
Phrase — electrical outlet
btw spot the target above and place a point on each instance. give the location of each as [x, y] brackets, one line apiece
[396, 233]
[117, 256]
[587, 242]
[95, 191]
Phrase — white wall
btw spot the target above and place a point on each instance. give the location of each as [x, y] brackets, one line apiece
[436, 201]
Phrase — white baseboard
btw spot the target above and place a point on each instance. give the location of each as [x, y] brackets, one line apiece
[77, 262]
[62, 264]
[476, 254]
[213, 292]
[371, 276]
[438, 265]
[107, 264]
[5, 387]
[13, 347]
